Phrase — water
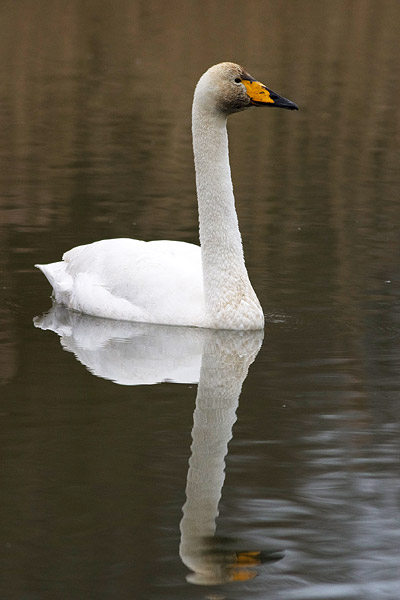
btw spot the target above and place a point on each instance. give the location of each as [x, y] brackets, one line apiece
[280, 483]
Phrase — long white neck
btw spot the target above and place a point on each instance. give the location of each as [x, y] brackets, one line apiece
[230, 301]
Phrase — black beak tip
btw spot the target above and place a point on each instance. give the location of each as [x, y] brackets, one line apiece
[285, 103]
[282, 102]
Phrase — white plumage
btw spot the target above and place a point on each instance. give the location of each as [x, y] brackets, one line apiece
[131, 280]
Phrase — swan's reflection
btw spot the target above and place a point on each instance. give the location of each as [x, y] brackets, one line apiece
[227, 357]
[128, 353]
[136, 354]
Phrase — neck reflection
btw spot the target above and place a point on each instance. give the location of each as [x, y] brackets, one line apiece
[226, 359]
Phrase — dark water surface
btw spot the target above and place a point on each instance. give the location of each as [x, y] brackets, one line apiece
[115, 489]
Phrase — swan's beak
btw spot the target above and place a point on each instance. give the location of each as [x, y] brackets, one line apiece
[260, 95]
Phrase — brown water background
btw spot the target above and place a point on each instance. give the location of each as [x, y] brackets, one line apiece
[95, 142]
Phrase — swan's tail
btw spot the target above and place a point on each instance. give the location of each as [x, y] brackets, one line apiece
[59, 279]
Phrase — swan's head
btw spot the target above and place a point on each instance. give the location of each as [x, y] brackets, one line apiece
[228, 88]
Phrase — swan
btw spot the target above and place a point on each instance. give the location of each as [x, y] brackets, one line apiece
[171, 282]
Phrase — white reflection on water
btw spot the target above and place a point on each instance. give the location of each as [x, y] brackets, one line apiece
[128, 353]
[138, 354]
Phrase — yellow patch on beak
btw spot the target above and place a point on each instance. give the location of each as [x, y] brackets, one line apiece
[257, 92]
[243, 575]
[248, 558]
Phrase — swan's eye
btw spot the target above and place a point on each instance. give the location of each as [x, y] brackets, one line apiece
[238, 80]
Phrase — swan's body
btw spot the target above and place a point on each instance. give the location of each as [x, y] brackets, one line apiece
[131, 280]
[176, 283]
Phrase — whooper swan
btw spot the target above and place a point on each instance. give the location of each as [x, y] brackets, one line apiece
[176, 283]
